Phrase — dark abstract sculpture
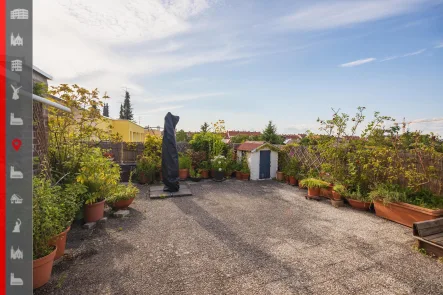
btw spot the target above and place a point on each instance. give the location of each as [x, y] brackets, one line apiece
[170, 155]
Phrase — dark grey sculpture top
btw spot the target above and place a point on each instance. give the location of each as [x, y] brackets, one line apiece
[170, 154]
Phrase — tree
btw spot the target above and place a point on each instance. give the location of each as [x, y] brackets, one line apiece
[106, 110]
[181, 136]
[126, 108]
[204, 127]
[270, 134]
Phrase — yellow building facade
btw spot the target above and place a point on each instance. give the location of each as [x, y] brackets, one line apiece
[129, 131]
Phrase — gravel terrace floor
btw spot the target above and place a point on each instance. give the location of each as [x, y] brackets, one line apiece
[244, 238]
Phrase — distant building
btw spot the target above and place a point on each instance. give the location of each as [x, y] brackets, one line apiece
[262, 159]
[292, 138]
[19, 14]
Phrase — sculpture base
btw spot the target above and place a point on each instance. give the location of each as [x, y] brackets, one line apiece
[156, 192]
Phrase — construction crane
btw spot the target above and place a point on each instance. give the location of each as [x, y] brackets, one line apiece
[405, 124]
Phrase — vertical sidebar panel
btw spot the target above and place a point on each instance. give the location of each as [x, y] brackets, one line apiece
[19, 147]
[3, 144]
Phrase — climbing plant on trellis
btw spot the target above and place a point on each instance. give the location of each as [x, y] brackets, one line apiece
[308, 157]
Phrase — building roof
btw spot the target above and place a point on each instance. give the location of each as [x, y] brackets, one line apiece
[41, 72]
[248, 146]
[231, 133]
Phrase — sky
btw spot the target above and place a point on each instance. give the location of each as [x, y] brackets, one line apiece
[248, 62]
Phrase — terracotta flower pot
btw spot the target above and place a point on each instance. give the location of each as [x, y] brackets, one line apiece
[326, 192]
[212, 173]
[404, 213]
[144, 178]
[287, 179]
[94, 212]
[238, 175]
[204, 173]
[292, 180]
[123, 204]
[183, 174]
[42, 269]
[280, 176]
[313, 191]
[335, 196]
[359, 205]
[60, 242]
[245, 176]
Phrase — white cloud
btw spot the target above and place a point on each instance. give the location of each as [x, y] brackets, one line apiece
[404, 55]
[439, 45]
[358, 62]
[161, 109]
[335, 14]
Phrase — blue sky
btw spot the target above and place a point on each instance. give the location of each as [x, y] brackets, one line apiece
[249, 62]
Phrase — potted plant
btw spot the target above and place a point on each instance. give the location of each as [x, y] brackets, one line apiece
[69, 201]
[219, 166]
[404, 206]
[195, 175]
[100, 175]
[123, 195]
[229, 168]
[336, 195]
[358, 199]
[145, 169]
[293, 170]
[237, 168]
[314, 185]
[245, 171]
[184, 163]
[204, 169]
[46, 223]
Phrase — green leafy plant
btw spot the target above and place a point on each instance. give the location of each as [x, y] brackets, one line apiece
[146, 167]
[314, 183]
[194, 173]
[389, 193]
[293, 167]
[358, 194]
[425, 198]
[237, 166]
[340, 189]
[70, 201]
[99, 174]
[48, 219]
[204, 165]
[184, 162]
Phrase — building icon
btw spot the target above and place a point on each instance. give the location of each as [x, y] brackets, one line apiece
[16, 41]
[16, 65]
[19, 14]
[16, 199]
[16, 254]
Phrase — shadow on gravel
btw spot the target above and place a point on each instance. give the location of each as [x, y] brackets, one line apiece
[248, 252]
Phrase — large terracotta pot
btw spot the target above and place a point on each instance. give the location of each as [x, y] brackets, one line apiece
[123, 204]
[42, 269]
[287, 179]
[245, 176]
[212, 173]
[280, 176]
[60, 242]
[94, 212]
[292, 180]
[183, 174]
[238, 175]
[313, 191]
[204, 173]
[359, 205]
[326, 192]
[404, 213]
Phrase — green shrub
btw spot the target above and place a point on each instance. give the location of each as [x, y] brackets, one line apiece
[99, 174]
[70, 201]
[358, 195]
[47, 216]
[123, 192]
[184, 162]
[219, 163]
[426, 199]
[194, 173]
[314, 183]
[389, 193]
[340, 189]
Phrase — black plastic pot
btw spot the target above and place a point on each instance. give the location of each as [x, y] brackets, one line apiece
[219, 175]
[195, 179]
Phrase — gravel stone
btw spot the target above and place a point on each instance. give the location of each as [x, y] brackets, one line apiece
[89, 225]
[244, 237]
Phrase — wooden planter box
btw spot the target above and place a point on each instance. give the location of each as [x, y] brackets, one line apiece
[429, 235]
[405, 214]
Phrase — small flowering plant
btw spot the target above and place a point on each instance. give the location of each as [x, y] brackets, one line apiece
[219, 163]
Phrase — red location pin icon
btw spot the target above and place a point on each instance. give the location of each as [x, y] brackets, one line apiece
[16, 144]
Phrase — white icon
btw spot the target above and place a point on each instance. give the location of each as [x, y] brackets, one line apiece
[17, 225]
[16, 281]
[19, 14]
[16, 65]
[16, 41]
[16, 254]
[16, 121]
[15, 96]
[15, 174]
[16, 199]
